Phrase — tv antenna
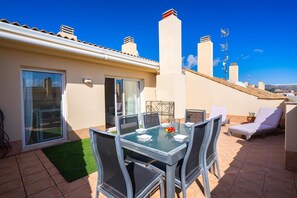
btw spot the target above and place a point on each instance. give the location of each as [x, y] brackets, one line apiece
[224, 48]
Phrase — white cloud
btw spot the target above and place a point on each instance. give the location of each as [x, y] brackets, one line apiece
[216, 61]
[258, 50]
[190, 62]
[243, 56]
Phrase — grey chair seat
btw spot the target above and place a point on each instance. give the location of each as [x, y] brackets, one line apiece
[117, 178]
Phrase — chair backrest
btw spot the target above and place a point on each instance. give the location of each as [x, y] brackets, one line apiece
[216, 128]
[113, 176]
[150, 119]
[215, 111]
[195, 115]
[127, 124]
[269, 116]
[195, 155]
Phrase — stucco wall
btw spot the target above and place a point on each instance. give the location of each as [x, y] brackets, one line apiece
[84, 104]
[291, 127]
[203, 93]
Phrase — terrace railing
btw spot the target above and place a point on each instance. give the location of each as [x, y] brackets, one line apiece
[165, 109]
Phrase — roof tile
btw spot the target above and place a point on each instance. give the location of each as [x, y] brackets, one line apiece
[261, 94]
[53, 34]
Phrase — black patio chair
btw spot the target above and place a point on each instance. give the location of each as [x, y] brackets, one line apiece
[127, 124]
[150, 119]
[212, 154]
[195, 115]
[194, 163]
[117, 178]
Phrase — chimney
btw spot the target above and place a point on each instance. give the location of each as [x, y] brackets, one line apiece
[66, 31]
[170, 42]
[205, 56]
[233, 72]
[261, 85]
[170, 53]
[129, 46]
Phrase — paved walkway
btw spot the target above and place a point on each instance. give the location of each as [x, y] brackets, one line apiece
[249, 169]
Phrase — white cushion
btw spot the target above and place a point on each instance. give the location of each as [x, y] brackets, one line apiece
[215, 111]
[269, 116]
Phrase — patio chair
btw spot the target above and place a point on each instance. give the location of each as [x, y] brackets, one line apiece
[194, 163]
[150, 119]
[267, 120]
[216, 110]
[127, 124]
[117, 178]
[195, 115]
[212, 160]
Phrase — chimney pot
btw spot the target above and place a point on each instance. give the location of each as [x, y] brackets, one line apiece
[128, 39]
[204, 39]
[169, 12]
[66, 31]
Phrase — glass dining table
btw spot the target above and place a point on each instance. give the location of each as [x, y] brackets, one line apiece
[162, 146]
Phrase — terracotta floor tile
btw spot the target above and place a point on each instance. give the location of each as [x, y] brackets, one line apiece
[11, 185]
[15, 193]
[29, 164]
[83, 191]
[9, 169]
[53, 170]
[281, 184]
[31, 170]
[51, 192]
[9, 177]
[270, 192]
[39, 186]
[58, 178]
[6, 162]
[66, 187]
[35, 177]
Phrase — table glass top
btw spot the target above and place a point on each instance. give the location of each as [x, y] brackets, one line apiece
[160, 139]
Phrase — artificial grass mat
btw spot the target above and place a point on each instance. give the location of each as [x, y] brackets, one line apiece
[73, 159]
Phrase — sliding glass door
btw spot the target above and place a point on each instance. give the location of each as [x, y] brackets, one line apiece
[132, 92]
[42, 104]
[122, 97]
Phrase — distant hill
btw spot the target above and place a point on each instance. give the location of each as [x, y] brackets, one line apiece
[284, 88]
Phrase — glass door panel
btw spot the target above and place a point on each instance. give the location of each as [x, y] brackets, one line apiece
[119, 97]
[42, 95]
[131, 97]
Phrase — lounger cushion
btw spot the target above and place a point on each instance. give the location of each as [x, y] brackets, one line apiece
[215, 111]
[269, 116]
[266, 119]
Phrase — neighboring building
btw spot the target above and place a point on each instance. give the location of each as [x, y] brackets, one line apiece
[55, 86]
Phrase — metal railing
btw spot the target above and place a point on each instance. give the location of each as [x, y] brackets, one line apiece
[165, 109]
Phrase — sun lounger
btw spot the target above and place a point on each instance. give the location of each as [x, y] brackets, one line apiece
[216, 111]
[267, 120]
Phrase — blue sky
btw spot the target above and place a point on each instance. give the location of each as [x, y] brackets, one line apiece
[262, 39]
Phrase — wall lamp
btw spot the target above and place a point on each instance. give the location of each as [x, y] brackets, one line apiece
[87, 80]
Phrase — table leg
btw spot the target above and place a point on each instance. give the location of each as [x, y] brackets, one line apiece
[170, 177]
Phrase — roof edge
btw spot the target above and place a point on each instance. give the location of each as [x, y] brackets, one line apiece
[262, 94]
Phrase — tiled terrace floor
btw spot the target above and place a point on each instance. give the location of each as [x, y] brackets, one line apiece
[249, 169]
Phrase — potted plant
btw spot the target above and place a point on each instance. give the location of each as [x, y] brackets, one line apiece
[251, 117]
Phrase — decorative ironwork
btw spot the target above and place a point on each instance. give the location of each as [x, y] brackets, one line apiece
[4, 139]
[164, 108]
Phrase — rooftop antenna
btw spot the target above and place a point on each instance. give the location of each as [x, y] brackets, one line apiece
[224, 48]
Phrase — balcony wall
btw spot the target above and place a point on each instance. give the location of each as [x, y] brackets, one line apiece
[203, 93]
[291, 136]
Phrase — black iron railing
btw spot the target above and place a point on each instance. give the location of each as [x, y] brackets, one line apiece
[165, 109]
[4, 139]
